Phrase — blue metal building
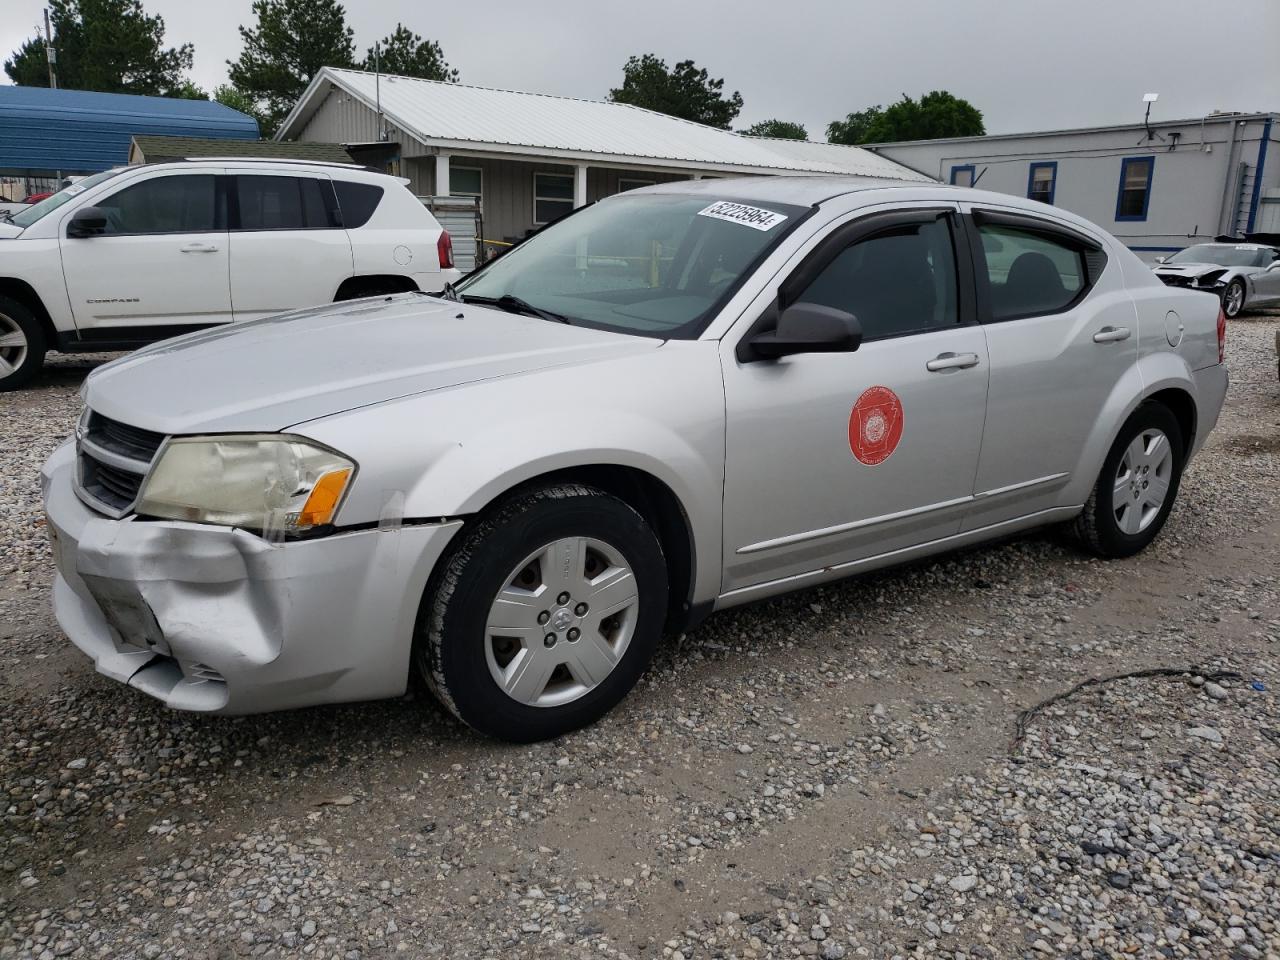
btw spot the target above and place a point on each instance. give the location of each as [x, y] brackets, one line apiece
[43, 132]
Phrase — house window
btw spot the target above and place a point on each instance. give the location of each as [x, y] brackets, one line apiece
[552, 196]
[1041, 181]
[465, 181]
[1135, 188]
[962, 176]
[631, 183]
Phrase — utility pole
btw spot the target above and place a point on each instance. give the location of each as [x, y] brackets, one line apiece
[50, 53]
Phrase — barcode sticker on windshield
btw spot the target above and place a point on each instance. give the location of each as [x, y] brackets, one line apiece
[755, 217]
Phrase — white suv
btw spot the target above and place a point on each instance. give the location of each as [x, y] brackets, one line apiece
[138, 254]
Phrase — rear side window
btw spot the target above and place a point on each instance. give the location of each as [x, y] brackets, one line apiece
[284, 203]
[900, 281]
[1030, 273]
[186, 203]
[357, 202]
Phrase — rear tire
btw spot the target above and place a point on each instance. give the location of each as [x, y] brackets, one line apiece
[1137, 486]
[22, 345]
[545, 613]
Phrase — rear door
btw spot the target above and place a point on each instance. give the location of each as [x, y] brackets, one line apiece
[288, 247]
[833, 458]
[161, 261]
[1061, 332]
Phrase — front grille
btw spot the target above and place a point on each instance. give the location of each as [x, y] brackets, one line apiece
[114, 458]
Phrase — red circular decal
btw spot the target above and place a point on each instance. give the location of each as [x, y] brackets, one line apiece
[875, 425]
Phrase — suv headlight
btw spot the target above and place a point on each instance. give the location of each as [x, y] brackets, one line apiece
[272, 483]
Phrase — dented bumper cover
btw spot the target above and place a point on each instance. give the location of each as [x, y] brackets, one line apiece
[218, 620]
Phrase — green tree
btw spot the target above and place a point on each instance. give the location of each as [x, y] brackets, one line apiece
[293, 39]
[683, 91]
[778, 129]
[933, 116]
[112, 46]
[229, 96]
[407, 54]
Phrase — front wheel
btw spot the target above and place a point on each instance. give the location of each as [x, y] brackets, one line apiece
[1138, 485]
[1233, 298]
[545, 614]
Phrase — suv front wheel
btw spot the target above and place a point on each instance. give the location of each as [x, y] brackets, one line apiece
[545, 613]
[22, 344]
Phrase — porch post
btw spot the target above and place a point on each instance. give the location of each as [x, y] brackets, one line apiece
[442, 175]
[580, 185]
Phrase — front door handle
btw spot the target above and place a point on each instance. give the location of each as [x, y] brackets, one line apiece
[1111, 335]
[199, 248]
[951, 361]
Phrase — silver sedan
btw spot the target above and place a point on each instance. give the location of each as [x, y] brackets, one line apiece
[674, 401]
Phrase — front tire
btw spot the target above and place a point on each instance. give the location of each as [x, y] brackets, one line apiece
[22, 345]
[1233, 298]
[1138, 485]
[544, 615]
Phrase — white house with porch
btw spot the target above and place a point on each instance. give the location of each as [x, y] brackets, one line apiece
[530, 157]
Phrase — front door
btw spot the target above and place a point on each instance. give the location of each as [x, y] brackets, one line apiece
[288, 248]
[837, 457]
[160, 262]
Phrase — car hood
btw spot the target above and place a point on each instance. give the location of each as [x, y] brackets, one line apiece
[8, 230]
[266, 375]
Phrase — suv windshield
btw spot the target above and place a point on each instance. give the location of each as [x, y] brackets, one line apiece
[656, 265]
[1222, 255]
[49, 204]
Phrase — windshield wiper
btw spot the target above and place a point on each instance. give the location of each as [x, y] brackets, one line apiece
[513, 304]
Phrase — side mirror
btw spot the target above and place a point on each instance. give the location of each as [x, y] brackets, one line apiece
[1161, 259]
[87, 222]
[809, 328]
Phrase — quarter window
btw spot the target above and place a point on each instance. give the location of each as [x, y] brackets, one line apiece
[1042, 182]
[1135, 188]
[1030, 273]
[465, 181]
[962, 176]
[552, 196]
[284, 203]
[178, 204]
[900, 281]
[357, 201]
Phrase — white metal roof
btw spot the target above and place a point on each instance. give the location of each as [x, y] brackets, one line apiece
[508, 121]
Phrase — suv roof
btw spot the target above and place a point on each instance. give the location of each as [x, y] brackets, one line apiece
[288, 161]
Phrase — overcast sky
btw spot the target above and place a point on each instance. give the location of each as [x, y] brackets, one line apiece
[1026, 64]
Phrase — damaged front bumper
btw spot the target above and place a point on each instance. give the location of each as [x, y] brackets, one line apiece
[218, 620]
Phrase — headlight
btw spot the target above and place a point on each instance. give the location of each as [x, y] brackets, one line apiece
[276, 484]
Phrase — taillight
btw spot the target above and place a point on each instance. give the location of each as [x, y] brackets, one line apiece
[1222, 336]
[444, 246]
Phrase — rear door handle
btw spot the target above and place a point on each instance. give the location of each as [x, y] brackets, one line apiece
[951, 361]
[1111, 334]
[199, 248]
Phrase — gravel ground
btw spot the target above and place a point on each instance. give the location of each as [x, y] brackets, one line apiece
[836, 773]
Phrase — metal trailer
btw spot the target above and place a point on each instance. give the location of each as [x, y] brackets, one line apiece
[463, 218]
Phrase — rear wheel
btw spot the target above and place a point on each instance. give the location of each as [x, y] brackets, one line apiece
[545, 614]
[1233, 298]
[1138, 484]
[22, 345]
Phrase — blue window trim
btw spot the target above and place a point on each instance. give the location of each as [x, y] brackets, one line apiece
[1053, 181]
[1146, 197]
[1257, 177]
[972, 168]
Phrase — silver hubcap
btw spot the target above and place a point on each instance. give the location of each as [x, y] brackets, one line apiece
[562, 622]
[1142, 482]
[1235, 299]
[13, 345]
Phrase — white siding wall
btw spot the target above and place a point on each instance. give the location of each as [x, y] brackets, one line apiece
[1188, 187]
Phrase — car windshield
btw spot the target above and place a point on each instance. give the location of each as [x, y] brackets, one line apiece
[1222, 255]
[49, 204]
[656, 265]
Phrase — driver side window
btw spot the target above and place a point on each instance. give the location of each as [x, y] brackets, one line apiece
[186, 203]
[897, 282]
